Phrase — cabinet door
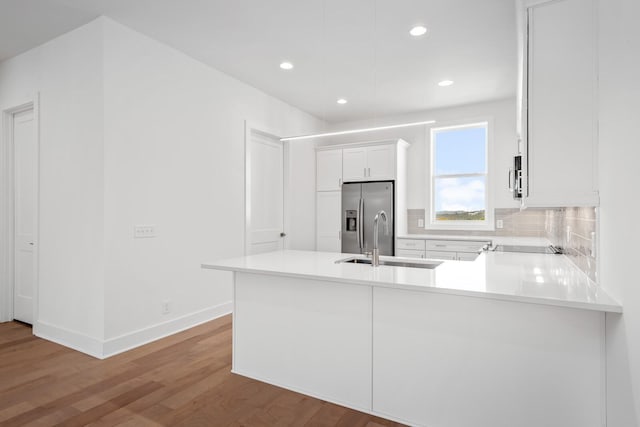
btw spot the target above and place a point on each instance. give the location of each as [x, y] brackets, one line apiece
[562, 107]
[354, 164]
[443, 255]
[328, 221]
[455, 245]
[408, 253]
[449, 360]
[328, 170]
[411, 244]
[381, 162]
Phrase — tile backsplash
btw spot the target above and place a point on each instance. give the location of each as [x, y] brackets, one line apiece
[516, 222]
[573, 229]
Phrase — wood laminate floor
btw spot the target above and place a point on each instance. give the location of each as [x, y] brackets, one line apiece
[181, 380]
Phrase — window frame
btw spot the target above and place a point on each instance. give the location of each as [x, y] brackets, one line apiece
[430, 222]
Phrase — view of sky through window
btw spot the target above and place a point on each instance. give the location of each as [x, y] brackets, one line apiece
[460, 150]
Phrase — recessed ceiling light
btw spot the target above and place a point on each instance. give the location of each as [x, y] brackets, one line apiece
[418, 31]
[342, 101]
[445, 83]
[286, 65]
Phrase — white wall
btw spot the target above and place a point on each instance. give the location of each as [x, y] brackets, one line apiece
[174, 157]
[619, 175]
[503, 114]
[67, 73]
[135, 132]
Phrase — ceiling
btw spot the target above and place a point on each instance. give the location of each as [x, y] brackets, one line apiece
[357, 49]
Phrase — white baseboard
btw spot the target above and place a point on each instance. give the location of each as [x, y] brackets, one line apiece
[68, 338]
[143, 336]
[107, 348]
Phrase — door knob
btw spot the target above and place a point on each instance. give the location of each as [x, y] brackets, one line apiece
[282, 234]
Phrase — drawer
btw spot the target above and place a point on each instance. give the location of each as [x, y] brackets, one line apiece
[413, 244]
[409, 253]
[442, 255]
[454, 245]
[440, 245]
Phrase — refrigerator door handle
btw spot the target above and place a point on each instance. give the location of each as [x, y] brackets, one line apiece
[361, 225]
[358, 225]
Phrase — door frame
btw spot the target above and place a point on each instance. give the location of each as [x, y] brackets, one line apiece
[286, 170]
[7, 190]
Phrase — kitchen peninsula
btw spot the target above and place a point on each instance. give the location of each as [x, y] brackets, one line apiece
[507, 339]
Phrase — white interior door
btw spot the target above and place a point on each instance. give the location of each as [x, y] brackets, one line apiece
[25, 203]
[265, 193]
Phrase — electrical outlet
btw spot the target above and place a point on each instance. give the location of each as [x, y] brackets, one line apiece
[420, 222]
[143, 231]
[499, 223]
[165, 307]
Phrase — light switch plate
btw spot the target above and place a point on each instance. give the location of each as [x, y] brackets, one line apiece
[144, 231]
[499, 223]
[420, 222]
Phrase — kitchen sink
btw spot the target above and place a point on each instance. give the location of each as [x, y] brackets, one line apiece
[392, 263]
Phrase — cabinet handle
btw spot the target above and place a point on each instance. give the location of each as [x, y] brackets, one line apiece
[364, 171]
[369, 172]
[441, 246]
[339, 182]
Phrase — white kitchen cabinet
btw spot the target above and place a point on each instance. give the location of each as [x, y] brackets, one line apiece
[559, 127]
[354, 164]
[329, 170]
[445, 360]
[411, 244]
[442, 255]
[328, 221]
[456, 250]
[410, 248]
[381, 160]
[410, 253]
[305, 335]
[369, 163]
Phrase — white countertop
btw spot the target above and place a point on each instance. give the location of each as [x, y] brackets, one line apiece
[530, 278]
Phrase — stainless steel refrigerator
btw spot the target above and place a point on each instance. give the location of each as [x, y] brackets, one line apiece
[360, 204]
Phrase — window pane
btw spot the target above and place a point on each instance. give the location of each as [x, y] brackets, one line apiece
[460, 199]
[458, 151]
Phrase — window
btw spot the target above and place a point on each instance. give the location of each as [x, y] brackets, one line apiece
[459, 177]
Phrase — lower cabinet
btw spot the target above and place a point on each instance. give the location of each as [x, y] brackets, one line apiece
[444, 255]
[328, 221]
[410, 253]
[421, 358]
[445, 360]
[447, 250]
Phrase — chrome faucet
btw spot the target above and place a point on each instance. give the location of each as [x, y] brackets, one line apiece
[375, 254]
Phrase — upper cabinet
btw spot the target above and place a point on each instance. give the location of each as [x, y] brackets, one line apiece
[329, 170]
[559, 105]
[371, 163]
